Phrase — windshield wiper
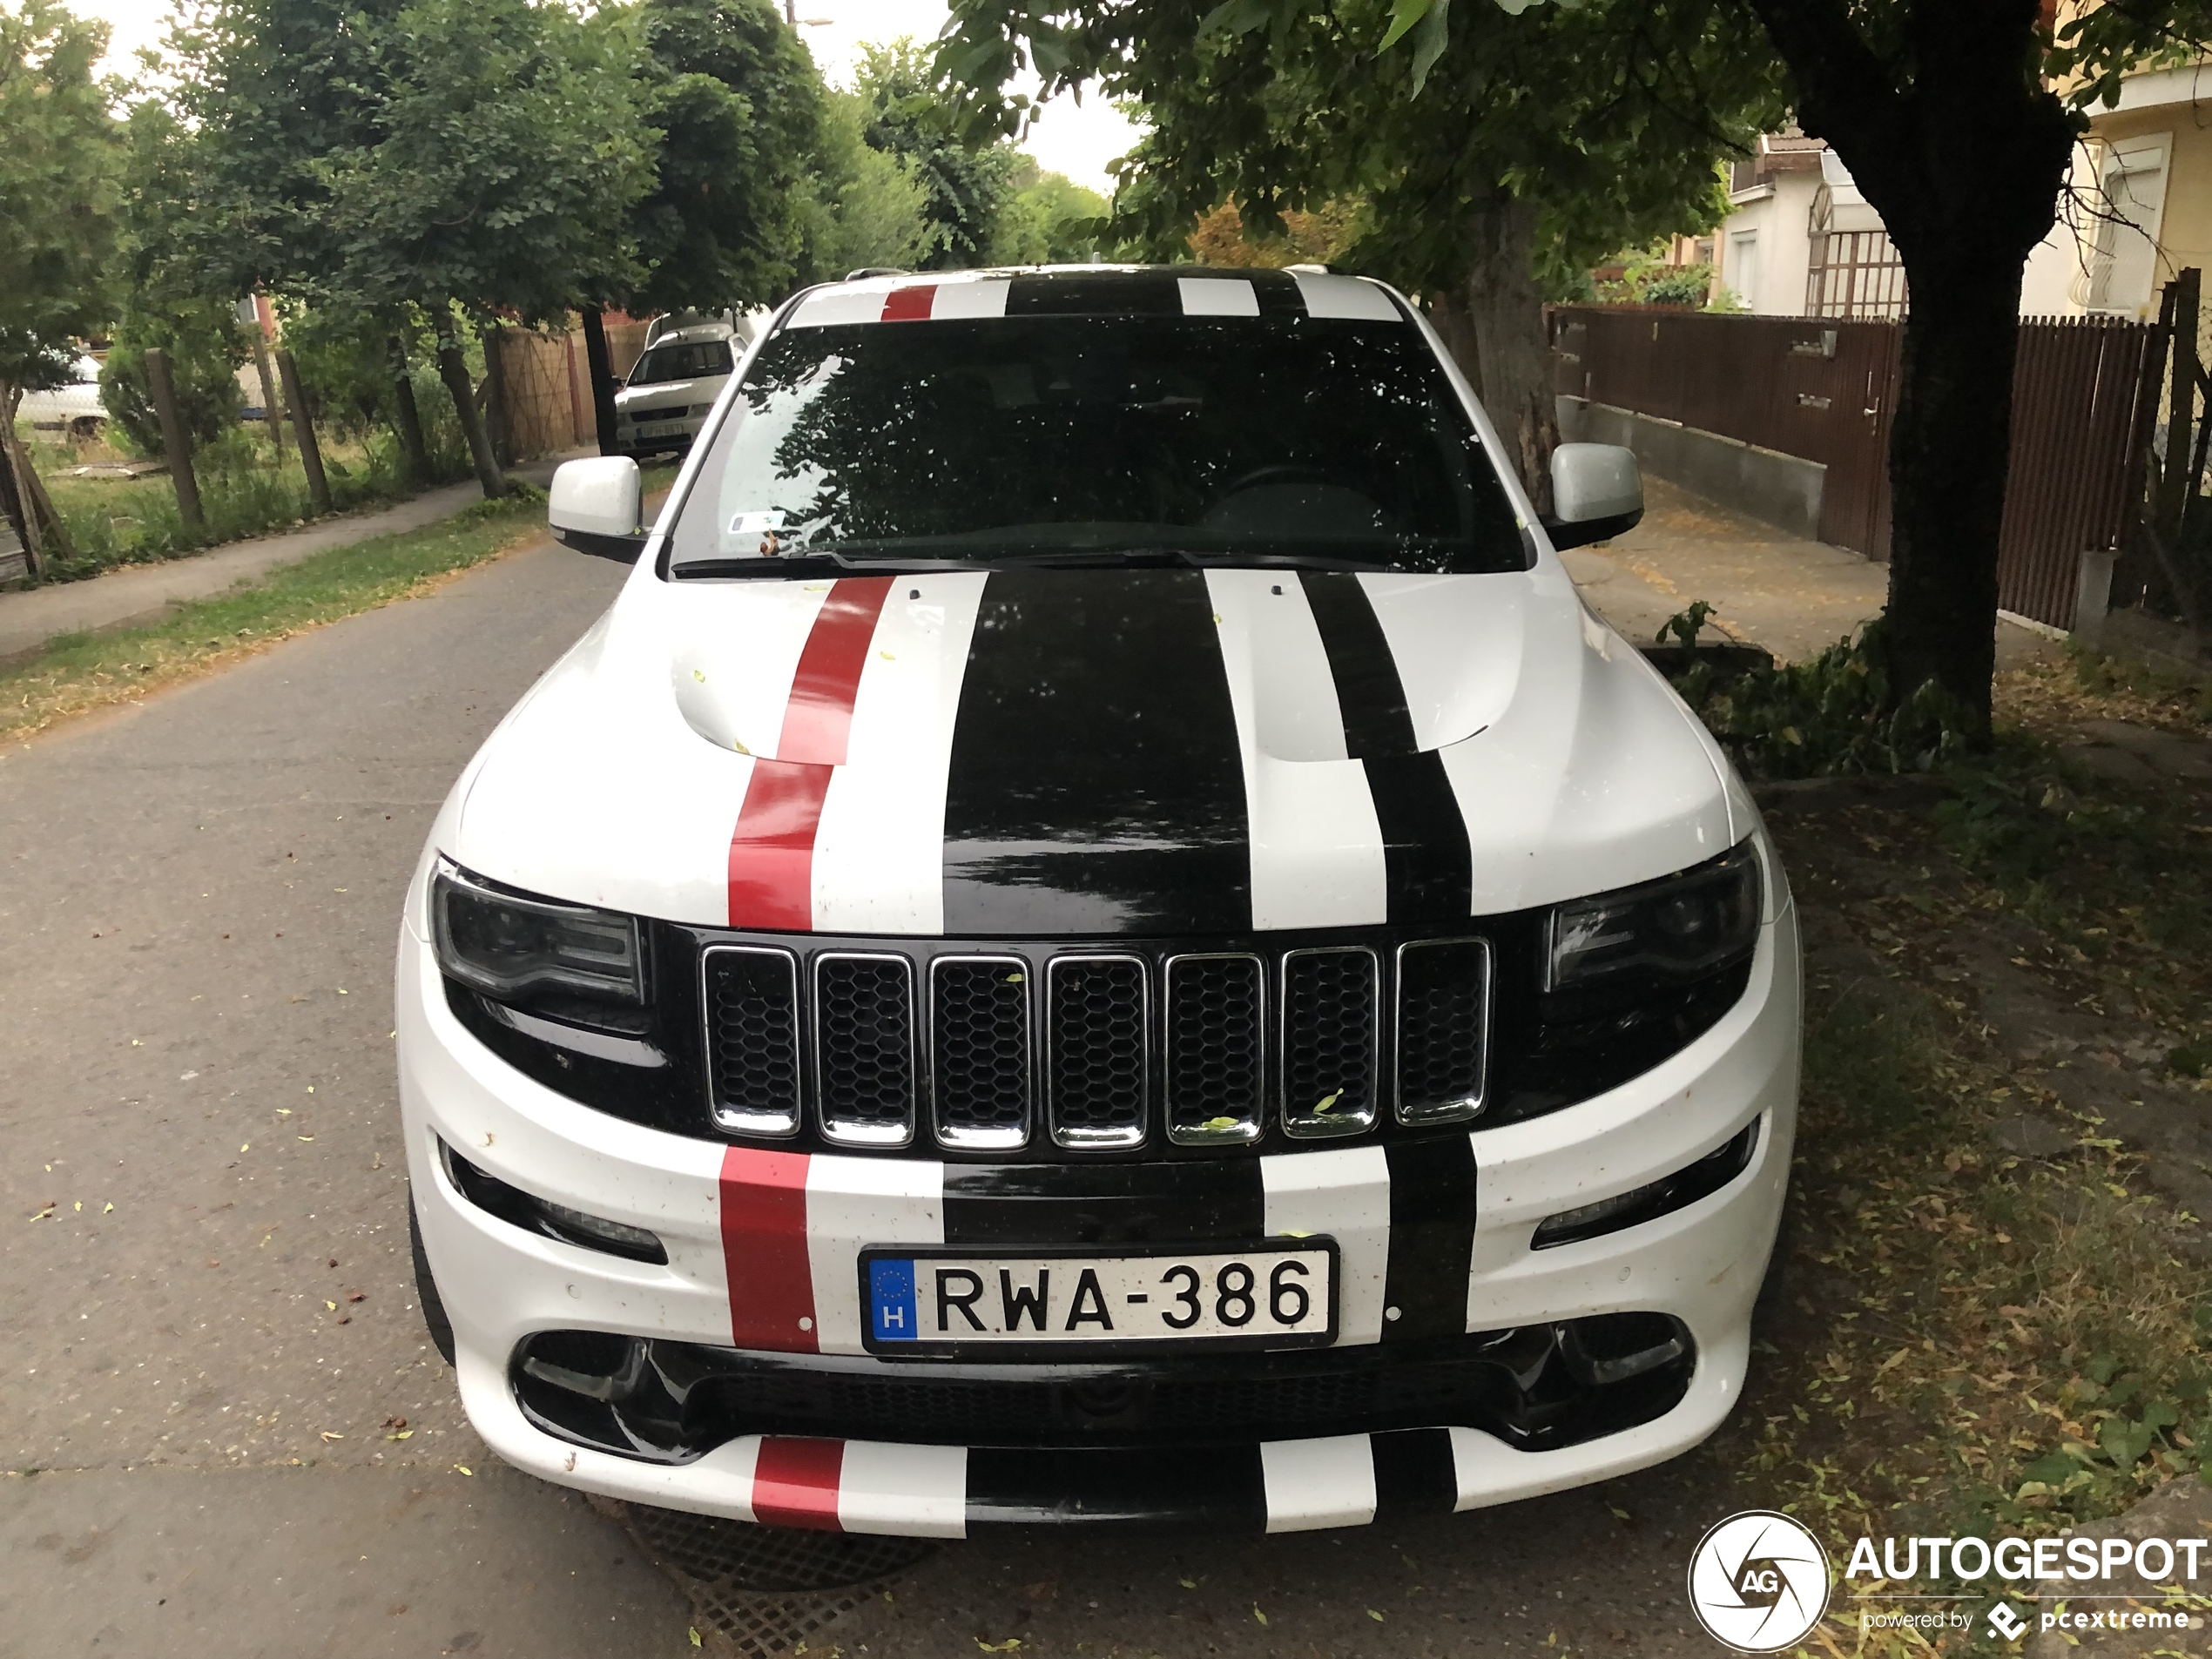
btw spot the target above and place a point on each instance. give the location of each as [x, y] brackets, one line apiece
[816, 564]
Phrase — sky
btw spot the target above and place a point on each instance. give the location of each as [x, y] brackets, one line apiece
[1078, 140]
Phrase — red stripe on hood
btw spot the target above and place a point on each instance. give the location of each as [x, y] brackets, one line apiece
[772, 850]
[794, 1483]
[909, 304]
[764, 1250]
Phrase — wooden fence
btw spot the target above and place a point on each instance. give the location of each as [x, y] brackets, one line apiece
[1824, 390]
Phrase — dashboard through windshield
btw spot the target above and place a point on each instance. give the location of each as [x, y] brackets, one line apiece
[1097, 439]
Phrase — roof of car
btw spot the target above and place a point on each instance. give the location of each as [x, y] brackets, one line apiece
[1095, 290]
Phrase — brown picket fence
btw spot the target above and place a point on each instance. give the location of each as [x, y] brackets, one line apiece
[1824, 388]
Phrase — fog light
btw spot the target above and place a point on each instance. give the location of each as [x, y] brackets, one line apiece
[541, 1215]
[1685, 1187]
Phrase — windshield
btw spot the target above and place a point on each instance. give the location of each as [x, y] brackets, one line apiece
[682, 362]
[1063, 439]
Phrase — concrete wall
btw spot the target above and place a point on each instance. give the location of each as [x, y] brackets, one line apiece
[1778, 489]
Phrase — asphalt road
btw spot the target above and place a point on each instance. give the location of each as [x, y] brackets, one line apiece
[211, 1340]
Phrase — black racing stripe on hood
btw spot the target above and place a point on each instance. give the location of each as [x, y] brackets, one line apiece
[1096, 785]
[1428, 863]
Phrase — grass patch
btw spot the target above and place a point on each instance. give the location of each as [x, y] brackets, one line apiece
[77, 673]
[1974, 1343]
[116, 521]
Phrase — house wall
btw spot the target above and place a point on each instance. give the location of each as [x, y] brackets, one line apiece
[1781, 215]
[2185, 220]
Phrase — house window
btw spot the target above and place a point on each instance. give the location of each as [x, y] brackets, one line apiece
[1741, 273]
[2123, 256]
[1855, 274]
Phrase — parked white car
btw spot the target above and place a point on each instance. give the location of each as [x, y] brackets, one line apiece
[672, 388]
[75, 408]
[1097, 936]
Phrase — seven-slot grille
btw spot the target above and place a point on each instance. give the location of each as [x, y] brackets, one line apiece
[1096, 1050]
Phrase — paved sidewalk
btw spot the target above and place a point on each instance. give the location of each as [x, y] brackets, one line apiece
[137, 593]
[1767, 587]
[1796, 598]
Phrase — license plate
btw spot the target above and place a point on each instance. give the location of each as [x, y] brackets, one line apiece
[948, 1302]
[663, 430]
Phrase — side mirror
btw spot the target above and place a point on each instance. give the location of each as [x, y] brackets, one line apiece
[596, 507]
[1597, 492]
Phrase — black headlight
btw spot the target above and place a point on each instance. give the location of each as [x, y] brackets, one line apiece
[1679, 928]
[520, 949]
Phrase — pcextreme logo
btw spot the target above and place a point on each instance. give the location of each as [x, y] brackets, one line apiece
[1759, 1581]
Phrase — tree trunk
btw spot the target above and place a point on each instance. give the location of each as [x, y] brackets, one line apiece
[303, 429]
[1963, 160]
[176, 442]
[499, 411]
[20, 504]
[1950, 445]
[413, 450]
[272, 411]
[453, 369]
[1494, 326]
[603, 377]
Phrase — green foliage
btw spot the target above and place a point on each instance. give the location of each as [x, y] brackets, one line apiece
[205, 348]
[735, 102]
[1684, 285]
[1608, 115]
[1050, 220]
[966, 193]
[366, 157]
[861, 207]
[60, 158]
[1831, 716]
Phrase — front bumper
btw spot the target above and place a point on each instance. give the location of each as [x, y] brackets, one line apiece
[653, 432]
[761, 1277]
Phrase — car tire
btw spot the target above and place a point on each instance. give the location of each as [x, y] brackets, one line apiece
[426, 1291]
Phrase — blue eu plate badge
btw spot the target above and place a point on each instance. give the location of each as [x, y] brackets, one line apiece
[891, 1299]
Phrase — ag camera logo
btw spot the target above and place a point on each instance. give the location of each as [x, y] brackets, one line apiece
[1759, 1581]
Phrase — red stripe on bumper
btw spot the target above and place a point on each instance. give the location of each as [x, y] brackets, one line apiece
[909, 304]
[794, 1483]
[764, 1251]
[772, 850]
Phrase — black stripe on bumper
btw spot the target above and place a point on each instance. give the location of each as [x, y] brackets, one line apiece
[1211, 1486]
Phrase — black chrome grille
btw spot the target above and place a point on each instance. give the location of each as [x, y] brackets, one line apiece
[1001, 1047]
[864, 1049]
[1100, 1051]
[979, 1050]
[1443, 1020]
[752, 998]
[1329, 1042]
[1216, 1038]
